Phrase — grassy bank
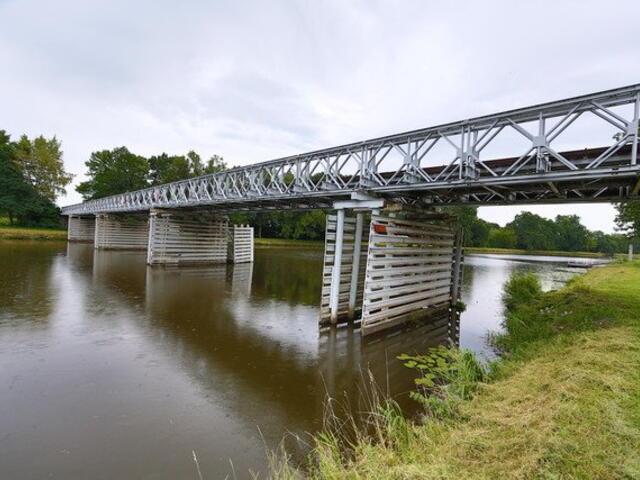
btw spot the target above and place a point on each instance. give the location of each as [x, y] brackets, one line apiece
[563, 403]
[285, 242]
[19, 233]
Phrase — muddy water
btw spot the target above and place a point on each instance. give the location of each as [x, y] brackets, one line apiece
[110, 369]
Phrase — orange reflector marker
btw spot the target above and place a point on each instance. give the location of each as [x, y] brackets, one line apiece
[380, 228]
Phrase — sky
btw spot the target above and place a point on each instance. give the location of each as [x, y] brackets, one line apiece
[255, 80]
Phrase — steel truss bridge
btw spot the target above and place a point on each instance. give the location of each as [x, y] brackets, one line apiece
[451, 163]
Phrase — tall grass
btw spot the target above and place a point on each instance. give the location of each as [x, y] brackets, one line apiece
[564, 403]
[520, 289]
[446, 377]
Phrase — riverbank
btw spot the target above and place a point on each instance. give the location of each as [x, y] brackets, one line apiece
[287, 242]
[18, 233]
[550, 253]
[284, 242]
[562, 403]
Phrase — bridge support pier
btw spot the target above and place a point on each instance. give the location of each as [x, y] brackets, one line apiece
[121, 231]
[81, 229]
[187, 238]
[344, 265]
[411, 268]
[240, 247]
[414, 268]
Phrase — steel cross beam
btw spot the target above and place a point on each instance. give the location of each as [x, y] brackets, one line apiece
[398, 166]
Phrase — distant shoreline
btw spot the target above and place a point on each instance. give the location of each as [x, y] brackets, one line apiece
[46, 234]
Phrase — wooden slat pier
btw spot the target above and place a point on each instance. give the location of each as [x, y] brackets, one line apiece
[81, 229]
[408, 268]
[347, 296]
[124, 232]
[185, 239]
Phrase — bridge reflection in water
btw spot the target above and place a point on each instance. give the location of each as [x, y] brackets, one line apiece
[246, 335]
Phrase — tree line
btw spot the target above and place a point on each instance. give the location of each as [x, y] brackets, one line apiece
[32, 176]
[529, 231]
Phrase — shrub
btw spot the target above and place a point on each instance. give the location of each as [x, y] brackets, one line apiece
[521, 288]
[448, 376]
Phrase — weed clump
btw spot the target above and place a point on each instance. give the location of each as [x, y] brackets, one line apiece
[520, 289]
[447, 377]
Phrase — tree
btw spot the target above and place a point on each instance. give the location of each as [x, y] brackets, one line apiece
[476, 230]
[215, 164]
[571, 235]
[13, 187]
[165, 168]
[40, 161]
[114, 171]
[628, 218]
[502, 238]
[533, 232]
[19, 199]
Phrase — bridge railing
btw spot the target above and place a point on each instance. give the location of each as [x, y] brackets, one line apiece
[439, 161]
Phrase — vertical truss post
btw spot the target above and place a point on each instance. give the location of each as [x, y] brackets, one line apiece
[368, 168]
[337, 267]
[635, 126]
[630, 253]
[152, 235]
[539, 142]
[355, 265]
[462, 154]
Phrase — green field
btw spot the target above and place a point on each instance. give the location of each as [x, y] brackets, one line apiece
[563, 403]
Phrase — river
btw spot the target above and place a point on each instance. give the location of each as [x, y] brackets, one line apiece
[111, 369]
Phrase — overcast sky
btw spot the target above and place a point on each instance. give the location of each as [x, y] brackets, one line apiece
[252, 81]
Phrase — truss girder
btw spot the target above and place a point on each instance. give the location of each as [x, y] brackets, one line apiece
[539, 173]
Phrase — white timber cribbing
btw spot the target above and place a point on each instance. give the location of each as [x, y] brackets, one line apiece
[457, 264]
[125, 232]
[409, 269]
[81, 229]
[186, 239]
[349, 293]
[240, 244]
[241, 278]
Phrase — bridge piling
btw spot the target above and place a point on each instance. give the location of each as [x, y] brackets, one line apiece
[81, 228]
[355, 265]
[344, 284]
[337, 267]
[410, 269]
[121, 231]
[187, 238]
[413, 269]
[240, 247]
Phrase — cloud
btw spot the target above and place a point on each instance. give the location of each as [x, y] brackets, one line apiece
[256, 80]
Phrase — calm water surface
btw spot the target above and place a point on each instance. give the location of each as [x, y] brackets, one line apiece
[110, 369]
